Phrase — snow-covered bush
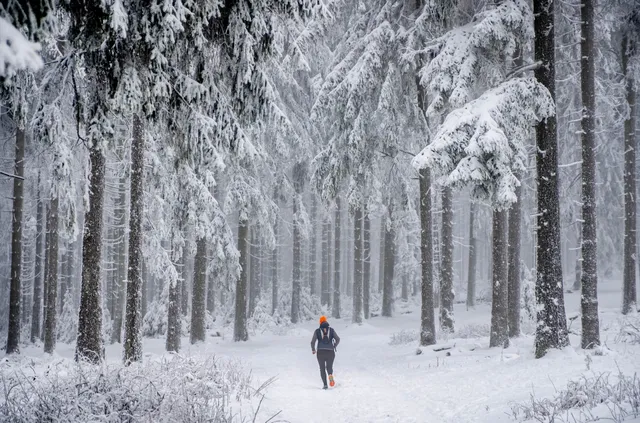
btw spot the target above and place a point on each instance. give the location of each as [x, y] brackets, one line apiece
[528, 302]
[67, 329]
[154, 322]
[174, 389]
[630, 330]
[404, 337]
[587, 399]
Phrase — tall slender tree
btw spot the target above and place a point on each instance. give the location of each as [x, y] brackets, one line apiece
[336, 261]
[427, 314]
[36, 316]
[389, 265]
[551, 330]
[50, 316]
[358, 314]
[199, 290]
[499, 336]
[446, 284]
[629, 296]
[589, 298]
[473, 257]
[514, 264]
[240, 326]
[13, 339]
[366, 263]
[133, 317]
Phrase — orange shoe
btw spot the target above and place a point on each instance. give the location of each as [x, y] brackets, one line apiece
[331, 381]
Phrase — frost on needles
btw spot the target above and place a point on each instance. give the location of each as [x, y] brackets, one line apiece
[483, 143]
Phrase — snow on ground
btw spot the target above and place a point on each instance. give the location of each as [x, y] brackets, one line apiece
[379, 382]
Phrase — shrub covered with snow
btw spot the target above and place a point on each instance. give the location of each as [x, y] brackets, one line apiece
[587, 399]
[630, 330]
[174, 389]
[404, 337]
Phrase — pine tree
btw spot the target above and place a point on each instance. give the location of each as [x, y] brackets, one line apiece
[499, 303]
[336, 261]
[13, 340]
[551, 330]
[473, 254]
[389, 265]
[50, 316]
[366, 266]
[514, 264]
[36, 316]
[446, 280]
[199, 284]
[427, 316]
[240, 326]
[133, 317]
[589, 298]
[629, 296]
[358, 313]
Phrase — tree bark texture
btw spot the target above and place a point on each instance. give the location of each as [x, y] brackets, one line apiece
[336, 262]
[121, 280]
[240, 325]
[274, 269]
[499, 336]
[389, 265]
[89, 342]
[383, 226]
[133, 317]
[473, 260]
[551, 330]
[629, 297]
[299, 174]
[446, 287]
[254, 271]
[427, 314]
[589, 298]
[15, 290]
[198, 311]
[366, 264]
[326, 294]
[36, 315]
[357, 316]
[515, 213]
[52, 283]
[313, 285]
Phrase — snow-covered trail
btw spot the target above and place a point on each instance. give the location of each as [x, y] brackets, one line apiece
[377, 382]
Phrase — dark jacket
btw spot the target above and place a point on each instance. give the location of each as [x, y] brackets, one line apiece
[334, 339]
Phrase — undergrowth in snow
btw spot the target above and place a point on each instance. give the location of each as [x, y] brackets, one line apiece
[588, 399]
[172, 389]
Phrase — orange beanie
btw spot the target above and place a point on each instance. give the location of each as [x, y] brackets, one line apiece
[323, 319]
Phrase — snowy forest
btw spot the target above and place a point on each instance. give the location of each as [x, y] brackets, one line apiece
[186, 186]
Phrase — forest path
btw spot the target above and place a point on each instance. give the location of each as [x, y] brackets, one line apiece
[378, 382]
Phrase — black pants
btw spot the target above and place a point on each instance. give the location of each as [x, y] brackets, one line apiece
[325, 360]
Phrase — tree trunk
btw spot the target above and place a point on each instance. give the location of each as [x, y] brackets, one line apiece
[389, 265]
[37, 282]
[499, 303]
[240, 326]
[133, 318]
[629, 297]
[299, 174]
[514, 264]
[199, 289]
[383, 231]
[13, 339]
[446, 287]
[589, 298]
[366, 265]
[336, 262]
[325, 296]
[577, 282]
[427, 315]
[471, 276]
[174, 323]
[47, 249]
[121, 281]
[551, 330]
[274, 270]
[253, 271]
[52, 282]
[357, 316]
[313, 285]
[184, 290]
